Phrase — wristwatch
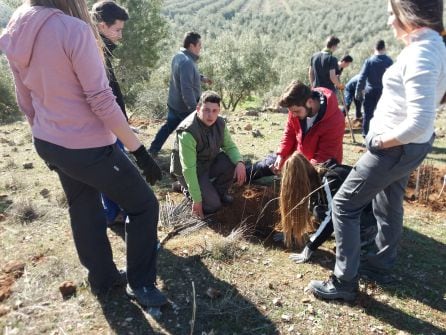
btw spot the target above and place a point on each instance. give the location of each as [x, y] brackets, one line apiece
[377, 142]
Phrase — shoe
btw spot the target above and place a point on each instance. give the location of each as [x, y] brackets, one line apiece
[147, 296]
[120, 280]
[334, 288]
[177, 187]
[372, 273]
[227, 199]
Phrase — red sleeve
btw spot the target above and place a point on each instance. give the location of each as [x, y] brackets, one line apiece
[288, 142]
[330, 142]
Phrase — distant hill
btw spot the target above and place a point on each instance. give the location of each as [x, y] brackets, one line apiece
[293, 29]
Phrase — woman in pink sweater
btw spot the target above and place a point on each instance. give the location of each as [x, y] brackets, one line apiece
[62, 88]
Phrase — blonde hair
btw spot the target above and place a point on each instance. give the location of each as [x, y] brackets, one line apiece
[75, 8]
[299, 180]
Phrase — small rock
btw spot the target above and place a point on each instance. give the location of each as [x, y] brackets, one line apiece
[45, 193]
[213, 293]
[4, 310]
[256, 133]
[305, 300]
[28, 166]
[2, 217]
[18, 304]
[252, 113]
[271, 286]
[310, 310]
[286, 317]
[277, 302]
[248, 127]
[14, 267]
[67, 289]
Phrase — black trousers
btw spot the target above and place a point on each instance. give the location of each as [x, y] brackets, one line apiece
[84, 174]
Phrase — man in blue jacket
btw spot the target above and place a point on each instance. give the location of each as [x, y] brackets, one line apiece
[349, 95]
[370, 85]
[184, 88]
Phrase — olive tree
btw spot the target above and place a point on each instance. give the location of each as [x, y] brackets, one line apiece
[239, 66]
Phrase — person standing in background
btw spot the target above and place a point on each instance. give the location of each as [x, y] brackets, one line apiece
[323, 67]
[184, 89]
[349, 95]
[110, 19]
[370, 86]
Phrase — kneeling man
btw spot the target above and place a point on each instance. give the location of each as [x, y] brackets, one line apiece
[205, 159]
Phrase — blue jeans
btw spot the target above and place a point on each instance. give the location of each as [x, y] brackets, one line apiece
[172, 121]
[379, 176]
[349, 99]
[111, 208]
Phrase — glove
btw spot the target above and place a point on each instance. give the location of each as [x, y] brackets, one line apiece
[150, 170]
[341, 86]
[303, 257]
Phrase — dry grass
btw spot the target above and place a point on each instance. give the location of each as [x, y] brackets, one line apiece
[229, 247]
[241, 286]
[24, 211]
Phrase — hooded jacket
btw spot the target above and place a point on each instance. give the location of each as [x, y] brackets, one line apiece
[323, 140]
[60, 79]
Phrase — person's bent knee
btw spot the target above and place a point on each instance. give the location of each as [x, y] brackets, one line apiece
[210, 207]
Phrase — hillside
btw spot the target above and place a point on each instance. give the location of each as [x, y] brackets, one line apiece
[228, 276]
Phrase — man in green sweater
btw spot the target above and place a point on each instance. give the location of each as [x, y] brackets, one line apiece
[205, 159]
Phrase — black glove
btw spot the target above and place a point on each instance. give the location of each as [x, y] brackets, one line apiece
[150, 170]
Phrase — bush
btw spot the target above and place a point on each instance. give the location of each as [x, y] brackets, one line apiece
[239, 66]
[8, 106]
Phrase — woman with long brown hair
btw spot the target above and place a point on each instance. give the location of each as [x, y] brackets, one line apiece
[54, 54]
[401, 135]
[306, 195]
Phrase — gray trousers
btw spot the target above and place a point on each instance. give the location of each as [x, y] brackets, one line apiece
[215, 182]
[380, 176]
[84, 174]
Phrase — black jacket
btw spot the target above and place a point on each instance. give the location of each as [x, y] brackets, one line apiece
[108, 54]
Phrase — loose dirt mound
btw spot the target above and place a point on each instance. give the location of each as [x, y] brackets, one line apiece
[431, 181]
[254, 206]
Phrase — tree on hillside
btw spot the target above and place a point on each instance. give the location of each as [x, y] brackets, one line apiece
[239, 66]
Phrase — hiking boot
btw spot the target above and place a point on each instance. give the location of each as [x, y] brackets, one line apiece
[147, 296]
[227, 199]
[334, 288]
[373, 273]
